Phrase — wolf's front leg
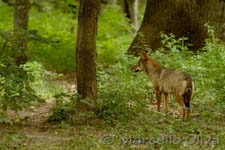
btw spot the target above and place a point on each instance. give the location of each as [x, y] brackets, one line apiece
[158, 97]
[166, 102]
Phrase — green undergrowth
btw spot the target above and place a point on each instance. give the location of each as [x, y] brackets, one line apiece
[126, 115]
[113, 38]
[124, 98]
[122, 91]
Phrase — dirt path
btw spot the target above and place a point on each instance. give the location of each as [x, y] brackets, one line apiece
[32, 124]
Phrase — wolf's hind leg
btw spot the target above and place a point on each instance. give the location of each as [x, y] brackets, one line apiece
[166, 102]
[180, 101]
[158, 97]
[187, 98]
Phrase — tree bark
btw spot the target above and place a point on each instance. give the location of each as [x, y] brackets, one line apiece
[112, 2]
[180, 17]
[130, 8]
[21, 18]
[86, 48]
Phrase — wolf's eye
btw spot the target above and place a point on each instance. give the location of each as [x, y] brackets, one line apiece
[144, 62]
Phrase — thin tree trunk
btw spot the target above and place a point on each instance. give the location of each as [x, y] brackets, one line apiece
[86, 48]
[21, 18]
[130, 8]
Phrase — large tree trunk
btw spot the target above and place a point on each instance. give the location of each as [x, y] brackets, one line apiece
[112, 2]
[130, 8]
[180, 17]
[21, 18]
[86, 48]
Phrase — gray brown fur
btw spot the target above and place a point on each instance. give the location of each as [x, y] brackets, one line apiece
[167, 81]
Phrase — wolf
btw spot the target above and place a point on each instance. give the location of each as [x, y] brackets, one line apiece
[167, 81]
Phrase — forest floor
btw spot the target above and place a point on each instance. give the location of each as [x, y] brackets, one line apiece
[32, 131]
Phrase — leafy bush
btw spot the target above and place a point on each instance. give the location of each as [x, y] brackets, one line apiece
[113, 38]
[4, 119]
[64, 109]
[207, 66]
[60, 56]
[170, 43]
[7, 16]
[42, 82]
[114, 35]
[15, 90]
[121, 93]
[9, 41]
[10, 141]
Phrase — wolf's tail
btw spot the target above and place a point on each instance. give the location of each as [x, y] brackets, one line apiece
[188, 93]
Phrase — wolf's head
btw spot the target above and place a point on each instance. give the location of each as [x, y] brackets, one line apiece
[140, 66]
[145, 63]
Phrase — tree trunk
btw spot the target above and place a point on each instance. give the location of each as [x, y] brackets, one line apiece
[86, 48]
[181, 17]
[112, 2]
[130, 8]
[21, 17]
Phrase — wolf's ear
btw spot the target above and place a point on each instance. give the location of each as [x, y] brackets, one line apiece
[144, 56]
